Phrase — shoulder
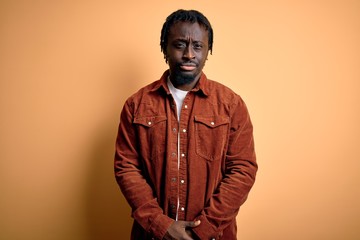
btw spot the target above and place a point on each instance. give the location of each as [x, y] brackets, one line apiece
[144, 91]
[223, 93]
[149, 95]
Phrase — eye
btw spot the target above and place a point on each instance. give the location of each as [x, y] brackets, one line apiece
[180, 45]
[198, 46]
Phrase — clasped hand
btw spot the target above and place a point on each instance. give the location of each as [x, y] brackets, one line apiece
[181, 230]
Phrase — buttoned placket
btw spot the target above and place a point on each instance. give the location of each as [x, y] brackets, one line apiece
[173, 159]
[178, 158]
[183, 140]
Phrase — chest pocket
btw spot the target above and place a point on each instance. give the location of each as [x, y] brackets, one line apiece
[152, 134]
[211, 134]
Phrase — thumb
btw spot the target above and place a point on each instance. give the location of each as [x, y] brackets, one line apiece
[192, 224]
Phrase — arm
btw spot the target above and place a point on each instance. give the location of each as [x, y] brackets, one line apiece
[134, 186]
[239, 176]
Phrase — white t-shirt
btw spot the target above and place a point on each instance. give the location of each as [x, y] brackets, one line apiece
[178, 95]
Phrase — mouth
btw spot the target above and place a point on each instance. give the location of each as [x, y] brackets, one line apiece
[188, 66]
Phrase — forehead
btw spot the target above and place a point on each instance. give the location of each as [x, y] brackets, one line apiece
[186, 30]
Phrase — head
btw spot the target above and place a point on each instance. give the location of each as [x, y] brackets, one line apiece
[186, 39]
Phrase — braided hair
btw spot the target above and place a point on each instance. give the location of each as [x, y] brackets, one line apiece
[191, 16]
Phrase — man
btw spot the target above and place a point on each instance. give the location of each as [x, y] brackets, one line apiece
[185, 157]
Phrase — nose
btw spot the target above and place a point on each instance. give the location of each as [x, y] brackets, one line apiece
[189, 52]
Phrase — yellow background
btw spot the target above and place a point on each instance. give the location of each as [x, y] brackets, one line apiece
[66, 68]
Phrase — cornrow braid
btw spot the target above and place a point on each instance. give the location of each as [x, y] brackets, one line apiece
[191, 16]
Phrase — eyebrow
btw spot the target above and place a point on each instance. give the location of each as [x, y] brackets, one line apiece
[187, 40]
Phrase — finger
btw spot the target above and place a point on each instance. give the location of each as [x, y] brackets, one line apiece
[197, 223]
[192, 224]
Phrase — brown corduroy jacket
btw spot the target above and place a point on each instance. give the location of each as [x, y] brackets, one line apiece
[207, 176]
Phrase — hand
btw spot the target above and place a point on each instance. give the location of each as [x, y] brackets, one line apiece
[181, 230]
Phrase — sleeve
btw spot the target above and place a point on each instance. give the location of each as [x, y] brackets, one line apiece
[239, 177]
[132, 182]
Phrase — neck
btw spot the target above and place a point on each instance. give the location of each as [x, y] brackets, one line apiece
[186, 87]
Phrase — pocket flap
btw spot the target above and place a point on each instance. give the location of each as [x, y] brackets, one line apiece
[149, 121]
[212, 121]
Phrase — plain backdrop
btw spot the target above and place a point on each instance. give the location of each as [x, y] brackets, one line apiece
[66, 68]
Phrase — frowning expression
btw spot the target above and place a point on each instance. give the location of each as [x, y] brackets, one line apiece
[187, 51]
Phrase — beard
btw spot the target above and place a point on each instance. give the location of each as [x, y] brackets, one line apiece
[182, 78]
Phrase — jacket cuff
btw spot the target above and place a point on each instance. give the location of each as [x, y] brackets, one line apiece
[160, 225]
[206, 231]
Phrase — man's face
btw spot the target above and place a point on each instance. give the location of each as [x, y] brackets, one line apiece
[187, 50]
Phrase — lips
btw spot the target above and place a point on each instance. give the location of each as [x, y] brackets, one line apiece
[188, 66]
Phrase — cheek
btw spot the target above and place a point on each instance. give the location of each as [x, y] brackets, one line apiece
[203, 59]
[171, 63]
[174, 55]
[203, 55]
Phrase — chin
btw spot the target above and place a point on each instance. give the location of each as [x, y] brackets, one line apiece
[182, 78]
